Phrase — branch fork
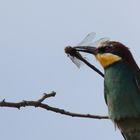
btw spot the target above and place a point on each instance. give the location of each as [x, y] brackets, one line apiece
[39, 103]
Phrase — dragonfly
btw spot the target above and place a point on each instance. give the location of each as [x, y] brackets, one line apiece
[77, 58]
[85, 42]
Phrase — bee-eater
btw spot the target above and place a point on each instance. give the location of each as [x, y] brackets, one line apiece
[121, 85]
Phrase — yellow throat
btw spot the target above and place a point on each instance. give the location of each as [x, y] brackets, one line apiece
[107, 59]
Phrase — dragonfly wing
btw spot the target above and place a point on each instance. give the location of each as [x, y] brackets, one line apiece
[76, 61]
[87, 40]
[99, 42]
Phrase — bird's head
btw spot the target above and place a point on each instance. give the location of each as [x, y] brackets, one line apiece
[110, 52]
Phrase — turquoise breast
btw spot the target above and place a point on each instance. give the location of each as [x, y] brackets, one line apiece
[122, 94]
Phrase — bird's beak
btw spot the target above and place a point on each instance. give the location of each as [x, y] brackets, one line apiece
[87, 49]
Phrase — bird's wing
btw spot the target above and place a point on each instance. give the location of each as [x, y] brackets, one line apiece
[105, 92]
[137, 79]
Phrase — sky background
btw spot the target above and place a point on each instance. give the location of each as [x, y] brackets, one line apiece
[33, 34]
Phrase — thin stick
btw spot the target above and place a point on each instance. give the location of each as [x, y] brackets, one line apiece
[38, 103]
[90, 65]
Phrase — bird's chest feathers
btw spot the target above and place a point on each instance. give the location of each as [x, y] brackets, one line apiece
[121, 92]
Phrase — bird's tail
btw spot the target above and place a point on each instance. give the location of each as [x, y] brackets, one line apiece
[130, 128]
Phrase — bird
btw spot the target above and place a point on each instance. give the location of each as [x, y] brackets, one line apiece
[121, 85]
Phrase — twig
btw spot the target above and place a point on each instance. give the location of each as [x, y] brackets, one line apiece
[45, 95]
[38, 103]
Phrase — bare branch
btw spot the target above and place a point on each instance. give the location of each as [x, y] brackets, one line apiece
[38, 103]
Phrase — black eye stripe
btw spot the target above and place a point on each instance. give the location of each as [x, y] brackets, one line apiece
[104, 49]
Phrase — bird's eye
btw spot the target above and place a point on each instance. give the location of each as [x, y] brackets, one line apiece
[108, 47]
[104, 49]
